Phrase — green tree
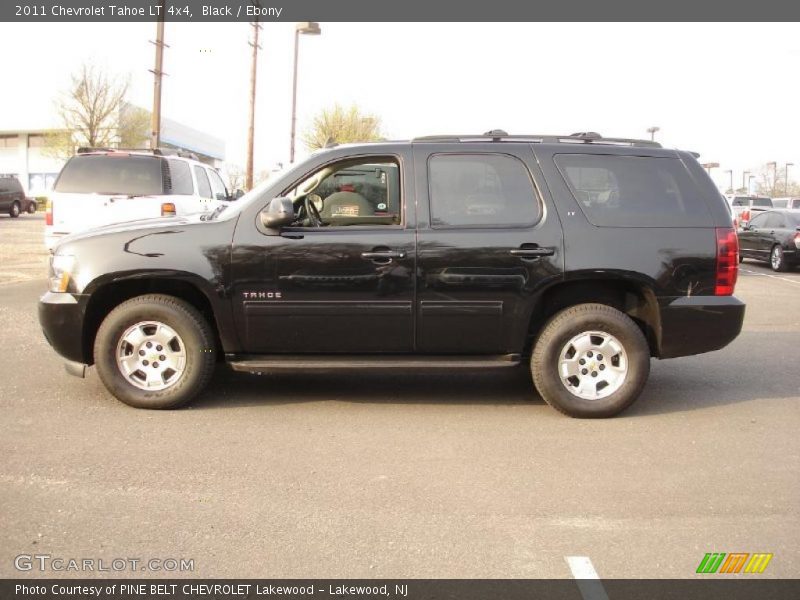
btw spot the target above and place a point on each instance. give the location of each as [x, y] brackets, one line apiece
[342, 125]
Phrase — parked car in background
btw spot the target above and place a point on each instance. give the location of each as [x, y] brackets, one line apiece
[772, 236]
[790, 203]
[100, 187]
[744, 207]
[12, 197]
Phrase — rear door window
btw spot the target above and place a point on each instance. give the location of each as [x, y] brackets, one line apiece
[634, 191]
[203, 187]
[774, 221]
[481, 190]
[110, 174]
[180, 178]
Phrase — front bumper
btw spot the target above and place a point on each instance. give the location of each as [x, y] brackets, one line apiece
[61, 317]
[697, 324]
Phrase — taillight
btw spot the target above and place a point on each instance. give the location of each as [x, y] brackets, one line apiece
[727, 261]
[167, 209]
[797, 240]
[48, 215]
[745, 216]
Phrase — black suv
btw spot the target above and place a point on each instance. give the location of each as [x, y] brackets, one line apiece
[579, 255]
[12, 197]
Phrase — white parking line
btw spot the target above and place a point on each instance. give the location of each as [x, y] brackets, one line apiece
[587, 578]
[768, 275]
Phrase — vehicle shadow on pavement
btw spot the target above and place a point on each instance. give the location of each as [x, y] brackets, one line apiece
[752, 368]
[507, 386]
[736, 374]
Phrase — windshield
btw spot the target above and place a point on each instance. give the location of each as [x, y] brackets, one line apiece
[102, 174]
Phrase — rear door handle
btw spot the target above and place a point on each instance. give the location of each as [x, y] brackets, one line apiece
[383, 254]
[531, 252]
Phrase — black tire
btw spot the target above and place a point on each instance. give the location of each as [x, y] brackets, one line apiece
[13, 211]
[741, 259]
[562, 328]
[777, 260]
[31, 208]
[181, 317]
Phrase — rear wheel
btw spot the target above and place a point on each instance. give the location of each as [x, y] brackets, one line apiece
[154, 351]
[31, 208]
[590, 360]
[14, 210]
[776, 259]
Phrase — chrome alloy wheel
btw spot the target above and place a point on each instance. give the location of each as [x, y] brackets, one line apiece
[593, 365]
[776, 258]
[151, 356]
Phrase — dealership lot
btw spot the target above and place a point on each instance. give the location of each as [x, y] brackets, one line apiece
[368, 475]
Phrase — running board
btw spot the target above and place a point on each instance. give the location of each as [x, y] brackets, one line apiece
[274, 363]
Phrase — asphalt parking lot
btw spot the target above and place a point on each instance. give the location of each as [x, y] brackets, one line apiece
[418, 476]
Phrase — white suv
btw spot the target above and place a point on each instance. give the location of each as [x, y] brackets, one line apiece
[103, 186]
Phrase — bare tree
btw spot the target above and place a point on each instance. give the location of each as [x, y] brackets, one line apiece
[93, 112]
[771, 182]
[342, 125]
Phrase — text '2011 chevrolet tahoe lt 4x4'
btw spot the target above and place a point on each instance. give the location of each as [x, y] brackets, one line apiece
[578, 255]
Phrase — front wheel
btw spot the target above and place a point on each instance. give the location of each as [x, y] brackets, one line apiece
[776, 259]
[154, 351]
[590, 361]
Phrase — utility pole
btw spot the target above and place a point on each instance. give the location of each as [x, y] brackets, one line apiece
[730, 172]
[248, 176]
[158, 73]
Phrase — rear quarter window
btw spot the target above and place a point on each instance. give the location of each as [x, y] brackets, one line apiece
[634, 191]
[100, 174]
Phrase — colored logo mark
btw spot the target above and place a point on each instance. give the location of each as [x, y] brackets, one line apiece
[735, 562]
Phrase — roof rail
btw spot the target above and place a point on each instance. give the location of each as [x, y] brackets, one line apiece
[498, 135]
[156, 151]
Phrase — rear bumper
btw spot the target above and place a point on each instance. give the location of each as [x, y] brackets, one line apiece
[61, 317]
[697, 324]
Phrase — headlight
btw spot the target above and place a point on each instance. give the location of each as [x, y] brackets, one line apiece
[62, 267]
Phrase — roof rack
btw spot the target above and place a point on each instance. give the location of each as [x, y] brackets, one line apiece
[498, 135]
[156, 151]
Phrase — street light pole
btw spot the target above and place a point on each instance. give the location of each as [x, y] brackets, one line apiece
[730, 173]
[652, 131]
[786, 181]
[750, 184]
[744, 180]
[306, 28]
[251, 129]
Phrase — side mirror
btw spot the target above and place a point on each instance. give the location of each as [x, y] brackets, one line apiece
[236, 194]
[280, 212]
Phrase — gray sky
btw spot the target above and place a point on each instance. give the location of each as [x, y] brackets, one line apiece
[728, 91]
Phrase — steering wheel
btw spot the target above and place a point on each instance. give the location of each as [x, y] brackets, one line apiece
[312, 211]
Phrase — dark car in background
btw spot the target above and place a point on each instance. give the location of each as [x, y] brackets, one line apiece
[12, 197]
[772, 236]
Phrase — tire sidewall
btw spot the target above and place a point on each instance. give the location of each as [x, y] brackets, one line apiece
[636, 349]
[14, 210]
[197, 350]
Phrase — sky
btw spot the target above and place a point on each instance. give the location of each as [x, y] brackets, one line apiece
[728, 91]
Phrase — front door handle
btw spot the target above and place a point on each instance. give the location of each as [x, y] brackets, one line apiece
[383, 254]
[531, 252]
